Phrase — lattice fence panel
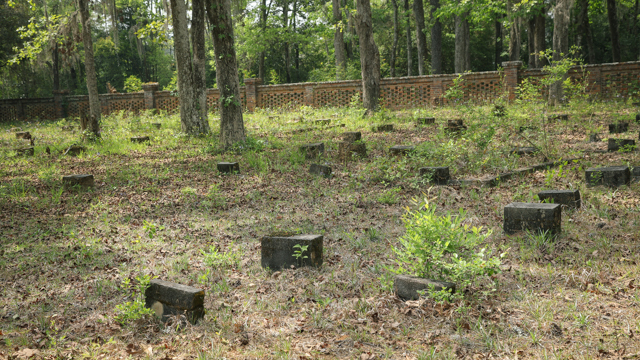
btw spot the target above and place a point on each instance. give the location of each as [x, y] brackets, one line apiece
[169, 103]
[8, 112]
[134, 105]
[335, 97]
[281, 99]
[481, 89]
[40, 110]
[398, 96]
[75, 108]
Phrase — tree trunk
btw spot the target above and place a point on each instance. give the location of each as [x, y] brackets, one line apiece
[561, 18]
[231, 122]
[369, 56]
[531, 42]
[199, 59]
[263, 24]
[498, 53]
[338, 42]
[396, 36]
[584, 29]
[285, 21]
[612, 14]
[462, 61]
[55, 68]
[540, 38]
[421, 39]
[190, 116]
[514, 34]
[436, 40]
[93, 125]
[409, 45]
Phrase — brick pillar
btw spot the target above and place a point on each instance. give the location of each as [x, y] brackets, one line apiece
[59, 103]
[511, 69]
[437, 91]
[308, 95]
[251, 93]
[149, 95]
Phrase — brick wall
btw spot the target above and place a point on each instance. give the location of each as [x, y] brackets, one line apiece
[605, 81]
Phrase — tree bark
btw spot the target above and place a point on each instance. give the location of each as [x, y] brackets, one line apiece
[396, 36]
[612, 14]
[436, 40]
[93, 125]
[540, 38]
[199, 59]
[421, 39]
[231, 123]
[369, 56]
[498, 53]
[561, 18]
[514, 34]
[462, 60]
[338, 42]
[190, 109]
[55, 67]
[285, 21]
[407, 18]
[584, 31]
[531, 42]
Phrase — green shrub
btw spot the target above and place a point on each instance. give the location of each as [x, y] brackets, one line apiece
[132, 84]
[442, 248]
[134, 310]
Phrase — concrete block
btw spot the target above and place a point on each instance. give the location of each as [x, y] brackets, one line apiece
[595, 137]
[407, 287]
[322, 121]
[23, 135]
[384, 128]
[621, 144]
[527, 150]
[618, 128]
[83, 181]
[569, 198]
[352, 136]
[75, 150]
[278, 251]
[455, 127]
[312, 150]
[140, 139]
[438, 174]
[169, 299]
[347, 150]
[28, 151]
[156, 125]
[228, 167]
[638, 118]
[321, 170]
[635, 174]
[612, 176]
[564, 117]
[401, 150]
[532, 217]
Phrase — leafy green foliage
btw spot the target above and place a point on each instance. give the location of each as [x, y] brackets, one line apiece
[133, 84]
[134, 310]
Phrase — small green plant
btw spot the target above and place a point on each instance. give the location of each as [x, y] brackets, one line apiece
[299, 251]
[455, 92]
[134, 310]
[440, 247]
[215, 197]
[390, 196]
[151, 228]
[221, 260]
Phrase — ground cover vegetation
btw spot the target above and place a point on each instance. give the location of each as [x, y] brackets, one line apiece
[75, 262]
[285, 41]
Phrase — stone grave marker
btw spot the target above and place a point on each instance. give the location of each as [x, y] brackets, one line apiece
[140, 139]
[15, 129]
[168, 299]
[532, 217]
[407, 287]
[499, 110]
[83, 181]
[455, 127]
[322, 121]
[156, 125]
[322, 170]
[352, 136]
[401, 150]
[522, 129]
[619, 128]
[621, 144]
[568, 198]
[438, 174]
[75, 150]
[312, 150]
[281, 252]
[635, 174]
[68, 128]
[527, 150]
[228, 167]
[23, 135]
[347, 149]
[638, 118]
[384, 128]
[425, 120]
[27, 151]
[612, 176]
[564, 117]
[594, 137]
